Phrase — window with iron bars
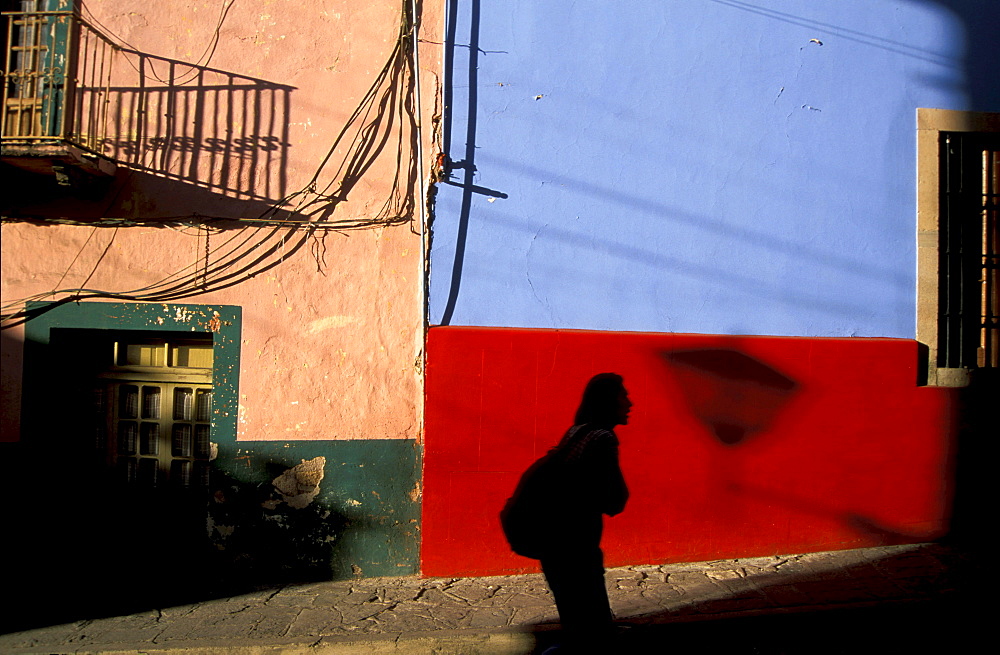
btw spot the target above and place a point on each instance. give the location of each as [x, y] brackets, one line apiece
[969, 305]
[957, 249]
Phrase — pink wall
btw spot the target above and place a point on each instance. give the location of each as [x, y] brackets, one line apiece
[332, 331]
[736, 445]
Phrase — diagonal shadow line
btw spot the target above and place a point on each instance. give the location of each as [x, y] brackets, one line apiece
[767, 241]
[694, 270]
[851, 35]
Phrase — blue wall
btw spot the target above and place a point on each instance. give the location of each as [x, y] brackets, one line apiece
[706, 166]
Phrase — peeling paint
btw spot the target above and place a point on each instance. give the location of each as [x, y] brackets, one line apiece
[299, 485]
[215, 323]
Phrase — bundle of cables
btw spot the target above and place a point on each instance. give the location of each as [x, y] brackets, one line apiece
[254, 245]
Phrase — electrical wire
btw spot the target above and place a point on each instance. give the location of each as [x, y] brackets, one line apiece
[101, 258]
[247, 253]
[78, 253]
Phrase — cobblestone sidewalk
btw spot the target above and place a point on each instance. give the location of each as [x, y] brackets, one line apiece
[498, 614]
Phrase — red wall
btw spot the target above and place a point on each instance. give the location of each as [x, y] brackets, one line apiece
[737, 446]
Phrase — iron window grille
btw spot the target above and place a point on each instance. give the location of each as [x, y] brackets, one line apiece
[969, 302]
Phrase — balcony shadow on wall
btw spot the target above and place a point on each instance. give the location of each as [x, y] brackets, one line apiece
[200, 145]
[218, 132]
[131, 197]
[384, 120]
[213, 129]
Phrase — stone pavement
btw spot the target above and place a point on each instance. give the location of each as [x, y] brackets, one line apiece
[515, 614]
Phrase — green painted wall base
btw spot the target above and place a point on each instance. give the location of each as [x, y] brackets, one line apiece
[362, 521]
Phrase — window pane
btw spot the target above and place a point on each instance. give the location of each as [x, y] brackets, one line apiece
[192, 356]
[204, 405]
[203, 442]
[99, 402]
[150, 402]
[149, 472]
[201, 473]
[100, 437]
[182, 441]
[127, 470]
[183, 404]
[150, 442]
[144, 355]
[128, 436]
[128, 401]
[180, 473]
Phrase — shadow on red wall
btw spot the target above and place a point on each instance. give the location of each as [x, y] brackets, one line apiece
[734, 395]
[737, 446]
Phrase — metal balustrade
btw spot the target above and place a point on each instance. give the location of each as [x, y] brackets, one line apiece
[56, 78]
[74, 98]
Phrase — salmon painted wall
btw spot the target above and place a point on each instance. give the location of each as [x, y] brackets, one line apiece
[244, 105]
[232, 124]
[736, 446]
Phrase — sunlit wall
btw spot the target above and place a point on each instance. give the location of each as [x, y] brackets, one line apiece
[706, 166]
[660, 188]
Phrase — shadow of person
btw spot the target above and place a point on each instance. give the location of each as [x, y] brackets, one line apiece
[556, 513]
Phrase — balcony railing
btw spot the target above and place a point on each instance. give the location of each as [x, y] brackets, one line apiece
[73, 96]
[56, 75]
